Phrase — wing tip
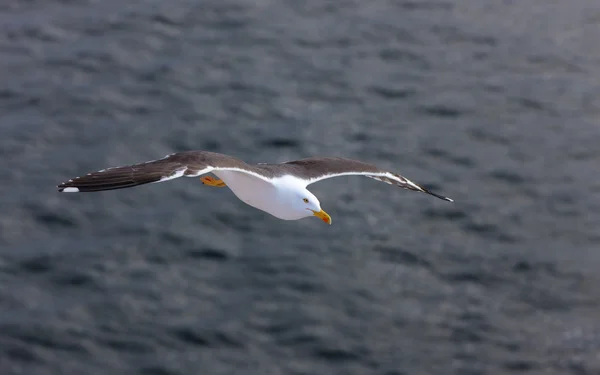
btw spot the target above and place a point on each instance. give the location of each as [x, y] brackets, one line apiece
[67, 189]
[442, 197]
[439, 196]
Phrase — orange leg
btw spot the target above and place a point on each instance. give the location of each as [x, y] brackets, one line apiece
[207, 180]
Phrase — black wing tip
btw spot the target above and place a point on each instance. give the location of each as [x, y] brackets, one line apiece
[438, 196]
[445, 198]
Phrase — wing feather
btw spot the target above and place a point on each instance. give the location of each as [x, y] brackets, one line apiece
[189, 164]
[196, 163]
[317, 169]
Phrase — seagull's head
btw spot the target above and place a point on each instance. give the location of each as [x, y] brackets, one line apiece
[310, 205]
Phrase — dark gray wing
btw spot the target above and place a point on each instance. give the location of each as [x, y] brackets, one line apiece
[317, 169]
[189, 164]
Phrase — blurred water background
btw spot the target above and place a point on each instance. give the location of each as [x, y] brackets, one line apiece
[493, 103]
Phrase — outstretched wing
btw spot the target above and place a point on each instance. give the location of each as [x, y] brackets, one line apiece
[317, 169]
[188, 164]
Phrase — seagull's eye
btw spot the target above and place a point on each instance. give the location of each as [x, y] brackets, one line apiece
[305, 200]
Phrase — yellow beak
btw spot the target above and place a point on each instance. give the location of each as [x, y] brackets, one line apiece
[323, 216]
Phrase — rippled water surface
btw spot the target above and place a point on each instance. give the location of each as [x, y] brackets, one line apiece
[493, 103]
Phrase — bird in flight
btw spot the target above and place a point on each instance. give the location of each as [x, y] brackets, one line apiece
[278, 189]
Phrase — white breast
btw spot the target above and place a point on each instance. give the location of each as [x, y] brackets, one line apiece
[273, 198]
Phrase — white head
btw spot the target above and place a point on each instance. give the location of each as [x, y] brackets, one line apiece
[306, 203]
[294, 201]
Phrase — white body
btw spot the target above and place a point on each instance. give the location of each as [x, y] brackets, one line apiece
[283, 198]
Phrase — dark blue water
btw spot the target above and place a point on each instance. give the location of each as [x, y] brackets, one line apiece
[493, 103]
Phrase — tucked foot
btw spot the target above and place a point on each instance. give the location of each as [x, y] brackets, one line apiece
[207, 180]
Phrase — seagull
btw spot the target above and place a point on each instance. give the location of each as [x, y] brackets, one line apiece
[278, 189]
